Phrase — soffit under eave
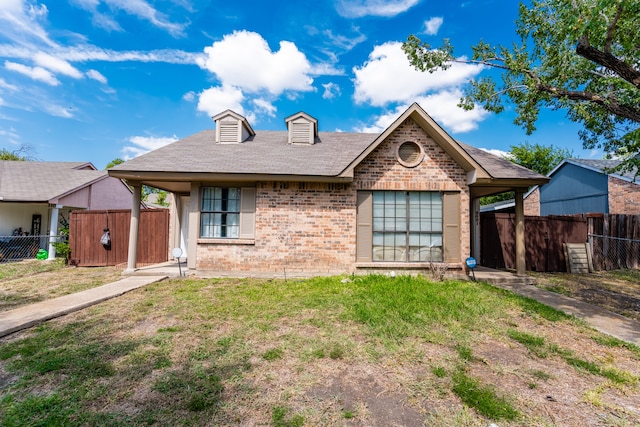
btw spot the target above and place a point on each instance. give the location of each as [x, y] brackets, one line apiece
[443, 139]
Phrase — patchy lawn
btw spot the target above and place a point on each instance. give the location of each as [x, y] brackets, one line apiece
[22, 289]
[617, 291]
[367, 351]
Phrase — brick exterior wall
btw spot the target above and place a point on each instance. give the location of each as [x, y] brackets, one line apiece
[624, 197]
[532, 203]
[311, 227]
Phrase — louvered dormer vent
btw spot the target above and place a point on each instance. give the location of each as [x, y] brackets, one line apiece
[229, 132]
[301, 133]
[303, 129]
[232, 128]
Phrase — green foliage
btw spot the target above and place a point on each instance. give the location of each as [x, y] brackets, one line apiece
[580, 56]
[273, 354]
[20, 154]
[114, 162]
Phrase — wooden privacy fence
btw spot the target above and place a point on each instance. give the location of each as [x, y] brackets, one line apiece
[614, 240]
[86, 228]
[544, 237]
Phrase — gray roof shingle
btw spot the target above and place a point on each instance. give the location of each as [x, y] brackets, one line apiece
[42, 181]
[267, 152]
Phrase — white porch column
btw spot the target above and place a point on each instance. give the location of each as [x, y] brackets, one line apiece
[521, 265]
[53, 231]
[133, 229]
[194, 225]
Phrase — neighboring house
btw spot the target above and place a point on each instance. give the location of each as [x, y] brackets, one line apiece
[583, 186]
[324, 202]
[35, 197]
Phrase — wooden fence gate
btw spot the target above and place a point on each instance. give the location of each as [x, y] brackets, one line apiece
[86, 228]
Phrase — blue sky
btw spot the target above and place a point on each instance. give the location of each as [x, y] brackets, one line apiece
[93, 80]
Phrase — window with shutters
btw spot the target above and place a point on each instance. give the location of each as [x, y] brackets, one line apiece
[220, 212]
[407, 226]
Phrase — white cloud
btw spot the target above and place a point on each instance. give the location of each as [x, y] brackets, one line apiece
[19, 22]
[141, 9]
[500, 153]
[243, 59]
[218, 99]
[331, 90]
[56, 65]
[264, 106]
[97, 75]
[385, 8]
[189, 96]
[58, 111]
[144, 144]
[432, 25]
[388, 77]
[9, 86]
[36, 73]
[441, 106]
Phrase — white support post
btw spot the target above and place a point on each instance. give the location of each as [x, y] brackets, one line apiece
[133, 230]
[53, 231]
[521, 265]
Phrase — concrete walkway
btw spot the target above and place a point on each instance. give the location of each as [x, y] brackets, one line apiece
[603, 320]
[26, 316]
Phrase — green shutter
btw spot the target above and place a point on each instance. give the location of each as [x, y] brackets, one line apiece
[247, 212]
[364, 217]
[451, 233]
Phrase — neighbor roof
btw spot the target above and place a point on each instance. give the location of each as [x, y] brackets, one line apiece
[24, 181]
[601, 166]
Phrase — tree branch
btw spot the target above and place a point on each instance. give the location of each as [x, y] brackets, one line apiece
[611, 30]
[610, 104]
[606, 59]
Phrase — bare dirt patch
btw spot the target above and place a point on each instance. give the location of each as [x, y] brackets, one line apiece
[617, 291]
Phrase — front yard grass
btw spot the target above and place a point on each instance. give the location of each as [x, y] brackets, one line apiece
[369, 350]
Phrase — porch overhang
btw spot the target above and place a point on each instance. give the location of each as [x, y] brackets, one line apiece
[180, 183]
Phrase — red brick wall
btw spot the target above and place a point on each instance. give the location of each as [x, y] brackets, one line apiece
[532, 203]
[624, 197]
[310, 227]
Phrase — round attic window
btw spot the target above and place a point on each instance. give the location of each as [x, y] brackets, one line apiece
[410, 154]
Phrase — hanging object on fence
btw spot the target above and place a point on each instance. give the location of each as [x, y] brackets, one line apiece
[105, 240]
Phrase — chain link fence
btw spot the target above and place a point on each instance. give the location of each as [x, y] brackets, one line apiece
[25, 255]
[614, 253]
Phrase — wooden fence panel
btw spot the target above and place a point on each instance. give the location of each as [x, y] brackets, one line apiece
[544, 237]
[616, 241]
[86, 228]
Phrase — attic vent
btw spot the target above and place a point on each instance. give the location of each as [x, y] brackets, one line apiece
[301, 132]
[228, 132]
[410, 154]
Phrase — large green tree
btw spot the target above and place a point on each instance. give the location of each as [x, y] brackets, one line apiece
[582, 56]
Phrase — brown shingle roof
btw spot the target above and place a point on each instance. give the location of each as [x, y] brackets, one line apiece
[43, 181]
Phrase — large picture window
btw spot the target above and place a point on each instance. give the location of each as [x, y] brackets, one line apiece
[220, 212]
[407, 226]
